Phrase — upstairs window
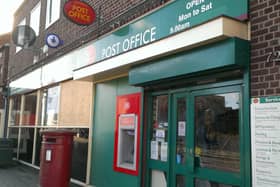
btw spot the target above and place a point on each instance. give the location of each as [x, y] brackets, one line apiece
[53, 11]
[35, 18]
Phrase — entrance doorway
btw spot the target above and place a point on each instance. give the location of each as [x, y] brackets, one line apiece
[195, 137]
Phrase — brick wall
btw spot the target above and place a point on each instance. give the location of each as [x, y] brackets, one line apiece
[110, 11]
[265, 47]
[4, 57]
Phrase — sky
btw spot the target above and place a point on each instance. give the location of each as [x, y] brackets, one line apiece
[7, 9]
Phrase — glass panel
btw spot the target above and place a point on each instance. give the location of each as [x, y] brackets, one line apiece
[206, 183]
[26, 144]
[50, 106]
[160, 128]
[15, 111]
[80, 154]
[217, 131]
[158, 179]
[29, 113]
[38, 147]
[53, 11]
[181, 131]
[13, 134]
[35, 18]
[180, 181]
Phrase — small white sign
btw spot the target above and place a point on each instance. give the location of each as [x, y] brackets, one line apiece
[163, 151]
[154, 150]
[48, 155]
[160, 133]
[181, 128]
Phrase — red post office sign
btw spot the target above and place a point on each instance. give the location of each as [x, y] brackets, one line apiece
[79, 12]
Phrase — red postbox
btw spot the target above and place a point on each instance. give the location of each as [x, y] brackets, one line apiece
[56, 157]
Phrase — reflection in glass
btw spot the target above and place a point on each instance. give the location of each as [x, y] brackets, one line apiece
[180, 181]
[26, 144]
[80, 154]
[50, 106]
[15, 110]
[181, 131]
[13, 134]
[206, 183]
[158, 179]
[160, 128]
[217, 131]
[29, 112]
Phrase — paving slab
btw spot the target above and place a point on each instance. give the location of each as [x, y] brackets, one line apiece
[19, 175]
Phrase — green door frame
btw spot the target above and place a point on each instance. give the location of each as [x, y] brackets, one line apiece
[189, 170]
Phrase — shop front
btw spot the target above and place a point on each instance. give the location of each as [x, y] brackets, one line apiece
[47, 100]
[190, 73]
[197, 131]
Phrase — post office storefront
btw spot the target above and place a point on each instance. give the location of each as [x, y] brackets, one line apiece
[177, 99]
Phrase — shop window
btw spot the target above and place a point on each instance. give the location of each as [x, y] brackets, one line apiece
[35, 18]
[26, 144]
[14, 117]
[13, 134]
[29, 112]
[217, 131]
[52, 12]
[159, 178]
[159, 129]
[80, 154]
[50, 106]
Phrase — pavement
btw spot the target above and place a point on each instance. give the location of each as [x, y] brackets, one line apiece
[19, 175]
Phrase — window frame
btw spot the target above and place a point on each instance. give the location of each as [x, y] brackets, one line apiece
[51, 16]
[33, 14]
[43, 114]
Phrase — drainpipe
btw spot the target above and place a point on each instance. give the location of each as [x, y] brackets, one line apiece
[6, 109]
[6, 90]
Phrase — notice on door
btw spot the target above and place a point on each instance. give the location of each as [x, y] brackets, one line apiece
[265, 136]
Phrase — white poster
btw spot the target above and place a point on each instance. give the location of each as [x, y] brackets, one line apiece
[154, 150]
[160, 133]
[265, 135]
[181, 128]
[163, 152]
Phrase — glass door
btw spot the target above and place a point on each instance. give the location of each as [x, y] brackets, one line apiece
[217, 121]
[194, 138]
[158, 141]
[181, 160]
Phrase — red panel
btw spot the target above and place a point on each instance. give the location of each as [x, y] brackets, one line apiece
[128, 104]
